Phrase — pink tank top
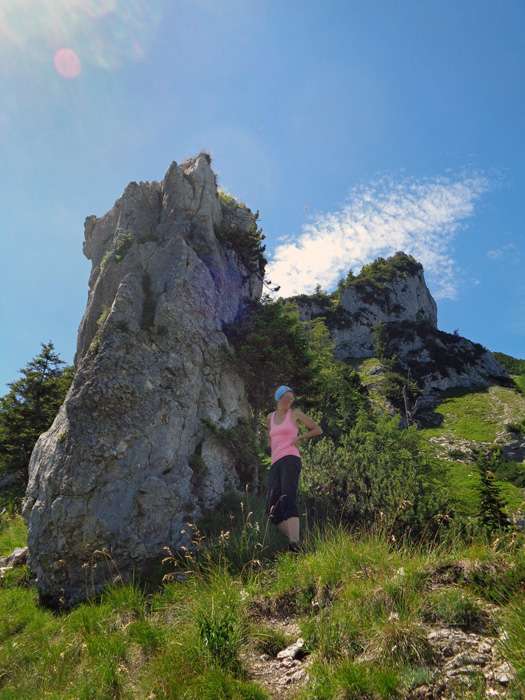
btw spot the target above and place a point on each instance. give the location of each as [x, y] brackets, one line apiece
[281, 437]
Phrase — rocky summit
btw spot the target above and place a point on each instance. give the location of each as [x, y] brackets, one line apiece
[389, 304]
[127, 462]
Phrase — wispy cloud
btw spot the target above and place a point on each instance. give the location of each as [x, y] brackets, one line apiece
[507, 253]
[419, 217]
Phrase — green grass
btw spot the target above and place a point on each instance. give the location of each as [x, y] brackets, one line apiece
[477, 414]
[13, 533]
[520, 381]
[476, 418]
[362, 605]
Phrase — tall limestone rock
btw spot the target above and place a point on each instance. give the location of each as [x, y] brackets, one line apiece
[402, 296]
[127, 461]
[393, 293]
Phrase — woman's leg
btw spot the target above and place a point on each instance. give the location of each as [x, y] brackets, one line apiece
[293, 529]
[290, 529]
[283, 527]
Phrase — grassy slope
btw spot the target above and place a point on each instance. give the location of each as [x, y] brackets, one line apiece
[474, 418]
[520, 381]
[191, 638]
[471, 417]
[362, 607]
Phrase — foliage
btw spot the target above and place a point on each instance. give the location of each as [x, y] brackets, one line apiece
[13, 533]
[456, 607]
[520, 383]
[381, 335]
[477, 413]
[218, 636]
[511, 364]
[492, 507]
[103, 316]
[375, 474]
[360, 601]
[380, 271]
[513, 472]
[246, 243]
[123, 246]
[95, 343]
[513, 643]
[105, 259]
[334, 392]
[228, 201]
[270, 349]
[31, 405]
[241, 440]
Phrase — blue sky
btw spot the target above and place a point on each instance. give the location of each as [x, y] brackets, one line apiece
[356, 128]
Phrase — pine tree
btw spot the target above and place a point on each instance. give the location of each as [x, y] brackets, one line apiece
[30, 406]
[492, 505]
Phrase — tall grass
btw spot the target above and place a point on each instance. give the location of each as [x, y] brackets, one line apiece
[13, 533]
[363, 604]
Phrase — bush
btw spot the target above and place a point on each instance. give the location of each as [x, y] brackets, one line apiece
[376, 475]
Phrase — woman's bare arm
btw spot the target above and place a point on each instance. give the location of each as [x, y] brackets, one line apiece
[313, 429]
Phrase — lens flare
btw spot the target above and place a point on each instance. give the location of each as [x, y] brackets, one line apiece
[67, 63]
[106, 33]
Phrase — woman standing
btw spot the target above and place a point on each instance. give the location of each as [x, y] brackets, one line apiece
[283, 429]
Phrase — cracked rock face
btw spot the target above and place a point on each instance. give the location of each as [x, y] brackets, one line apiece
[408, 312]
[127, 462]
[404, 299]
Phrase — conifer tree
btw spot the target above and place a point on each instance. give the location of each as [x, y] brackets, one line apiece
[30, 406]
[492, 505]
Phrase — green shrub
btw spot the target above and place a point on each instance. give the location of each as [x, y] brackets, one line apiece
[229, 202]
[513, 642]
[511, 364]
[105, 259]
[123, 246]
[334, 634]
[377, 474]
[247, 244]
[518, 428]
[218, 636]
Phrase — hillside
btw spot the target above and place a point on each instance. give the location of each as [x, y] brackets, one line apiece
[353, 616]
[145, 513]
[464, 421]
[350, 617]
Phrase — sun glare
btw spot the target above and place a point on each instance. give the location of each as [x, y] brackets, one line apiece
[67, 63]
[106, 33]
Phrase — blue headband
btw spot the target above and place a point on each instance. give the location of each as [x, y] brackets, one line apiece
[281, 391]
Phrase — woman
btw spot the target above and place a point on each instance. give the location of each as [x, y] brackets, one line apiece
[283, 429]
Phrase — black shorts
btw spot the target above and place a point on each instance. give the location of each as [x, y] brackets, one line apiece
[283, 481]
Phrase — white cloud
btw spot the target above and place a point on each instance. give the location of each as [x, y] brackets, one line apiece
[419, 217]
[505, 254]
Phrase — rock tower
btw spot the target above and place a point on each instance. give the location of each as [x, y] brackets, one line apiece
[128, 462]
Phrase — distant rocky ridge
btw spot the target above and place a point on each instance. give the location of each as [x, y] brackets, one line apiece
[127, 462]
[394, 293]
